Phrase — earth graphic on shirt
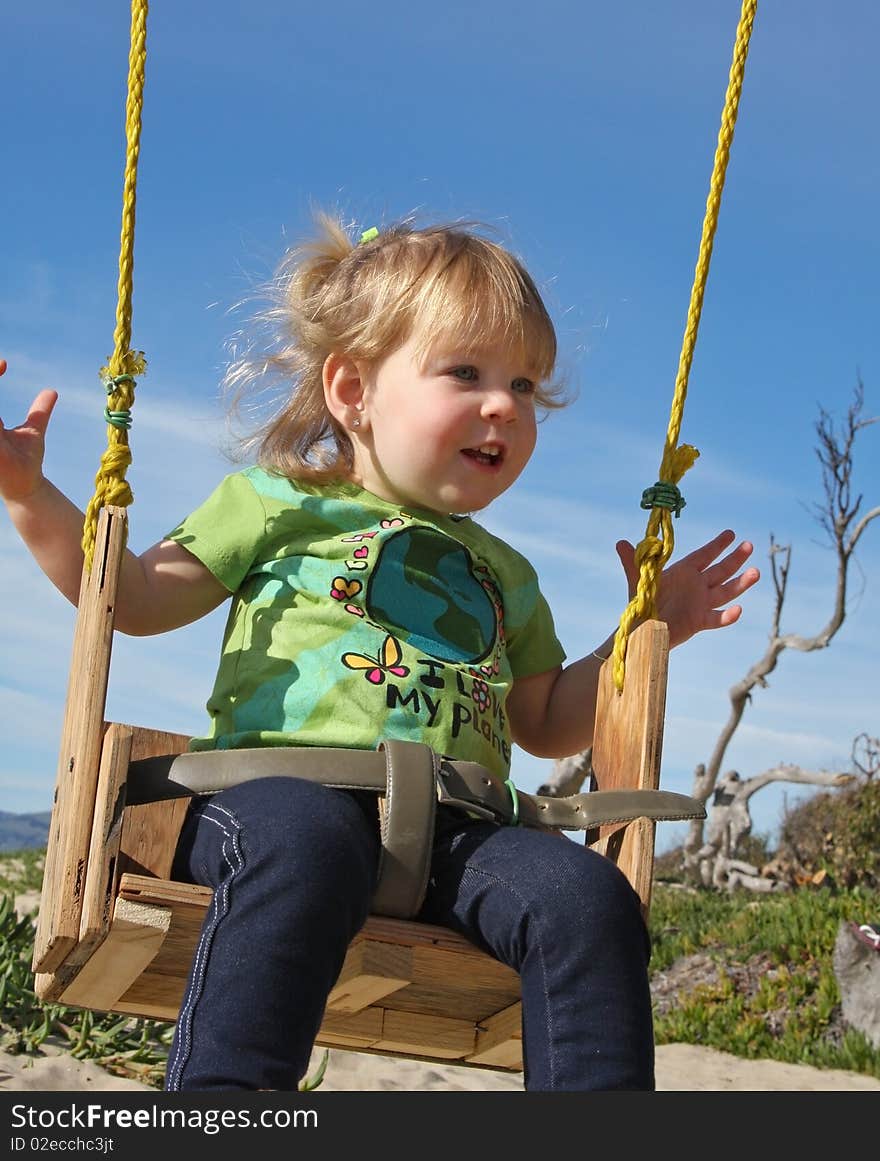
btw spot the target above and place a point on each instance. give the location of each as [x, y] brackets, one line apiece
[423, 587]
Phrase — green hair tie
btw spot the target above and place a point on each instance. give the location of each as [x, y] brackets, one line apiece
[369, 235]
[663, 494]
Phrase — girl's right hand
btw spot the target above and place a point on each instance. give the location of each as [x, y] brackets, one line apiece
[22, 448]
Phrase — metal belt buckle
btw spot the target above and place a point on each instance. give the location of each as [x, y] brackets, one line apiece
[446, 798]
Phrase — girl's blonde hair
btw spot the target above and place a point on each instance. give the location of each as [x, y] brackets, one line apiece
[365, 300]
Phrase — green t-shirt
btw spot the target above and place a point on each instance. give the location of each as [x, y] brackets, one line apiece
[354, 620]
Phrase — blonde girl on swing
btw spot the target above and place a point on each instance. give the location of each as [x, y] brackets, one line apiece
[367, 602]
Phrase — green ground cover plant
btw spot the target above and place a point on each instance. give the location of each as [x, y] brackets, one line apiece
[753, 975]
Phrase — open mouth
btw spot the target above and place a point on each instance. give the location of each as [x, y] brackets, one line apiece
[488, 454]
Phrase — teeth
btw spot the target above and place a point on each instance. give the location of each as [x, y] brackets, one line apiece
[489, 450]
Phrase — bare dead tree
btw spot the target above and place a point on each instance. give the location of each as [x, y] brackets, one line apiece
[866, 755]
[839, 516]
[729, 822]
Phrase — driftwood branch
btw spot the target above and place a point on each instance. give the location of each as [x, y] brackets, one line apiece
[730, 822]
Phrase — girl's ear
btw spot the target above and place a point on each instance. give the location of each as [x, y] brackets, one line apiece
[343, 390]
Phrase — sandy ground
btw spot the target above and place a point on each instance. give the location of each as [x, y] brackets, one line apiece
[680, 1068]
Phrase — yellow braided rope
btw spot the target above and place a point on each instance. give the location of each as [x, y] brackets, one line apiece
[124, 364]
[656, 548]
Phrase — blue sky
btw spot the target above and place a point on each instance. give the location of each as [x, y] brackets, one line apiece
[584, 134]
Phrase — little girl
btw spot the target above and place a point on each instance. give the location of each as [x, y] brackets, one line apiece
[366, 604]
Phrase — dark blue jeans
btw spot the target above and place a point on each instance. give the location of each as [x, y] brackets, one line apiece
[293, 867]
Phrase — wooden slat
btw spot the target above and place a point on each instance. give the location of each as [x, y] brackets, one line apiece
[371, 972]
[439, 967]
[102, 872]
[158, 992]
[459, 984]
[351, 1030]
[150, 831]
[135, 936]
[428, 935]
[628, 745]
[499, 1039]
[420, 1034]
[79, 753]
[143, 889]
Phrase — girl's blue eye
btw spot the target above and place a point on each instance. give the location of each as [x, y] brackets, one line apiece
[523, 386]
[468, 374]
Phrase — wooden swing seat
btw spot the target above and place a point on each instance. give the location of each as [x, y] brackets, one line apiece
[116, 934]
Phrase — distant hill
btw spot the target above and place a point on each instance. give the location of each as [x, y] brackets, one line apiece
[19, 832]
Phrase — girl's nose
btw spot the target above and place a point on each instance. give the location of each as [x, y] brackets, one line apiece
[499, 403]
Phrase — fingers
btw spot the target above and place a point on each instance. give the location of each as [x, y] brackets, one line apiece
[717, 572]
[701, 558]
[735, 587]
[41, 410]
[724, 617]
[722, 587]
[726, 579]
[39, 413]
[719, 618]
[714, 572]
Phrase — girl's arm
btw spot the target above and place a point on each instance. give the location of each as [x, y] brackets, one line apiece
[163, 588]
[552, 714]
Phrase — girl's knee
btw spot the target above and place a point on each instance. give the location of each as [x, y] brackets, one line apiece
[591, 883]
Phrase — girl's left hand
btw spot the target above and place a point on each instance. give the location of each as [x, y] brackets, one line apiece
[694, 592]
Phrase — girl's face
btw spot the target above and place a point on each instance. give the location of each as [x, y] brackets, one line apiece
[448, 431]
